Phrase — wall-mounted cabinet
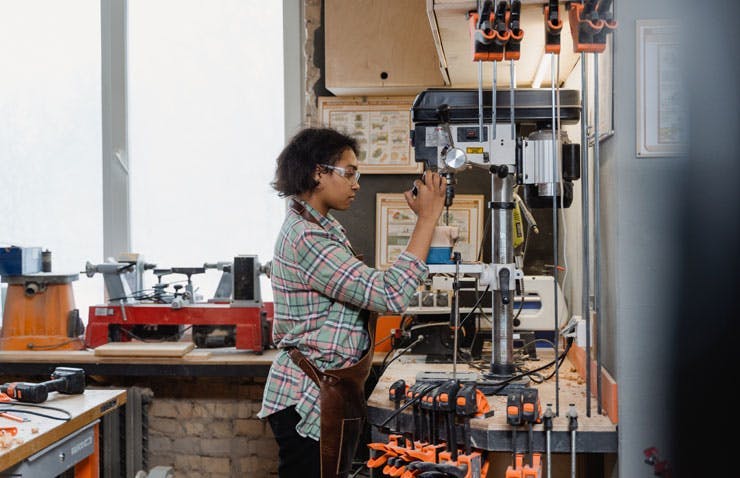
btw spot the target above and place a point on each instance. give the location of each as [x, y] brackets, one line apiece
[379, 47]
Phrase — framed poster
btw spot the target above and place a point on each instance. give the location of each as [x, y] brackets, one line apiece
[394, 222]
[661, 105]
[381, 126]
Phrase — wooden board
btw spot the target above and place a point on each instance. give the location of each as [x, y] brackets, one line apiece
[144, 349]
[379, 47]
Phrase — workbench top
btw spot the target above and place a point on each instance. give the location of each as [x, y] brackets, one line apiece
[84, 409]
[221, 362]
[216, 362]
[596, 433]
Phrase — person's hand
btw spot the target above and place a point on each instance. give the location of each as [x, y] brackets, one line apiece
[430, 196]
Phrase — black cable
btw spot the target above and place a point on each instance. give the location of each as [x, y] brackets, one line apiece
[402, 351]
[383, 362]
[373, 369]
[133, 294]
[521, 306]
[524, 255]
[388, 337]
[560, 359]
[11, 407]
[477, 303]
[33, 346]
[569, 343]
[176, 336]
[408, 404]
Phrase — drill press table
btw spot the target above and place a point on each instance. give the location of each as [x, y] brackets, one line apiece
[595, 434]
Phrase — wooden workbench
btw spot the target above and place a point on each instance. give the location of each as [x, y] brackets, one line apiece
[224, 362]
[595, 434]
[85, 410]
[216, 362]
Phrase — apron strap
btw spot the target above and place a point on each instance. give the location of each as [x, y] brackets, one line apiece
[306, 365]
[301, 210]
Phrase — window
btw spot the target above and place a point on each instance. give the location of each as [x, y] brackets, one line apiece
[205, 124]
[50, 135]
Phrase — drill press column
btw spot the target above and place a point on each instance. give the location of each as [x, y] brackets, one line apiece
[502, 256]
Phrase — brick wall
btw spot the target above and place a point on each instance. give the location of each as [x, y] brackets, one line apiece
[312, 19]
[208, 428]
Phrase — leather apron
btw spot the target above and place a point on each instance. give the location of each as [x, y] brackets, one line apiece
[341, 396]
[343, 406]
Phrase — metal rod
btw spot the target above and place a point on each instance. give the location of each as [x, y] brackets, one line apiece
[573, 454]
[494, 319]
[555, 181]
[502, 254]
[585, 221]
[494, 81]
[456, 312]
[549, 458]
[597, 234]
[512, 87]
[493, 98]
[480, 100]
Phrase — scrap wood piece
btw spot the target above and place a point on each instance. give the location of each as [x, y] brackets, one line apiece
[144, 349]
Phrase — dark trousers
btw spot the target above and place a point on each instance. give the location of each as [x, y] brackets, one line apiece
[298, 456]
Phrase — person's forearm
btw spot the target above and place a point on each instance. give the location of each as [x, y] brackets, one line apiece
[421, 238]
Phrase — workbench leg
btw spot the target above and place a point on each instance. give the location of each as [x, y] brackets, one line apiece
[90, 466]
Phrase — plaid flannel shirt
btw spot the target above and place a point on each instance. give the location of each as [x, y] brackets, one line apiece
[319, 288]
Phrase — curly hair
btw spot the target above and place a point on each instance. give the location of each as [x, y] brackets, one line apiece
[307, 149]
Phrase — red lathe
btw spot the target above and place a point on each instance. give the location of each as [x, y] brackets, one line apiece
[235, 317]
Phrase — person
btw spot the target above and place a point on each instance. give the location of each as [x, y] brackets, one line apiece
[320, 287]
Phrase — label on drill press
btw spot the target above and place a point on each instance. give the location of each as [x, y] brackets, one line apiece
[103, 312]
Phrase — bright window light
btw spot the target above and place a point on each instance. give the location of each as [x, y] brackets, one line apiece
[50, 135]
[205, 124]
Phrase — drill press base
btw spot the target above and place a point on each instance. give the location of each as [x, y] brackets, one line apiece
[491, 384]
[462, 377]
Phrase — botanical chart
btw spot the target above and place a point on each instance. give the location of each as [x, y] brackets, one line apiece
[394, 223]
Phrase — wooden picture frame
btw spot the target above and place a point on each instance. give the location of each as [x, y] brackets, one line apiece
[381, 126]
[394, 222]
[662, 116]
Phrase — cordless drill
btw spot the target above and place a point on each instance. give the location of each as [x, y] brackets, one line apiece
[67, 380]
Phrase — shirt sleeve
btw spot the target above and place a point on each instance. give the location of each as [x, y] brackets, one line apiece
[332, 270]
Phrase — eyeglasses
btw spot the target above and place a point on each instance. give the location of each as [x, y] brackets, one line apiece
[352, 176]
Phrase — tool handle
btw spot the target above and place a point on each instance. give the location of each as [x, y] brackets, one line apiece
[26, 392]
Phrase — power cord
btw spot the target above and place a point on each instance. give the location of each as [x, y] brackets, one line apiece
[384, 366]
[11, 407]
